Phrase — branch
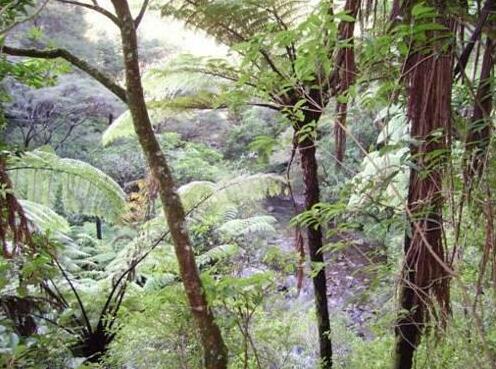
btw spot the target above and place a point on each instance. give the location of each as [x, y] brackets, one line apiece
[488, 8]
[265, 105]
[96, 8]
[138, 19]
[105, 80]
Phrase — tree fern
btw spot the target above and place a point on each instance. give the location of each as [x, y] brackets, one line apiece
[201, 199]
[41, 176]
[193, 82]
[189, 75]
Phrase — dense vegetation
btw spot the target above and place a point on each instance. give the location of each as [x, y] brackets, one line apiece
[251, 184]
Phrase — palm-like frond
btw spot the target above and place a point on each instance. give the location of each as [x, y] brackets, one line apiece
[189, 75]
[238, 190]
[217, 253]
[122, 127]
[47, 221]
[44, 219]
[186, 84]
[260, 225]
[235, 21]
[45, 178]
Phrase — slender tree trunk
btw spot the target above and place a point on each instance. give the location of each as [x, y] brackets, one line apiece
[347, 71]
[480, 129]
[425, 278]
[98, 223]
[309, 167]
[215, 351]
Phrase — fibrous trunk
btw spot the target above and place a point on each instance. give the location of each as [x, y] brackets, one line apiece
[215, 352]
[14, 230]
[425, 277]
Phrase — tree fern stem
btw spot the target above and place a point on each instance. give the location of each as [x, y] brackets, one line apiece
[307, 151]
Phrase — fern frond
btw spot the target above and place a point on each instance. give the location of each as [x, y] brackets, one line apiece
[45, 178]
[189, 75]
[238, 190]
[249, 188]
[186, 84]
[154, 283]
[122, 127]
[196, 192]
[260, 225]
[395, 127]
[217, 253]
[45, 219]
[202, 199]
[235, 21]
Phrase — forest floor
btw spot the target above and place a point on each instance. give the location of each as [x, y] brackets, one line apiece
[351, 270]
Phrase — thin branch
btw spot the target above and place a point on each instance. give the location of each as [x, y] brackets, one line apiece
[138, 19]
[488, 8]
[265, 105]
[101, 77]
[96, 8]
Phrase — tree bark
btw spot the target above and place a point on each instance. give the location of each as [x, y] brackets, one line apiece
[346, 72]
[425, 277]
[98, 223]
[480, 128]
[307, 150]
[215, 351]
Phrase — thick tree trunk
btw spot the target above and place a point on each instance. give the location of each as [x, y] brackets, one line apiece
[309, 167]
[425, 278]
[215, 351]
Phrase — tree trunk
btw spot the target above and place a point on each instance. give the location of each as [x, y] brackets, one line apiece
[480, 129]
[215, 352]
[98, 223]
[347, 72]
[425, 278]
[309, 167]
